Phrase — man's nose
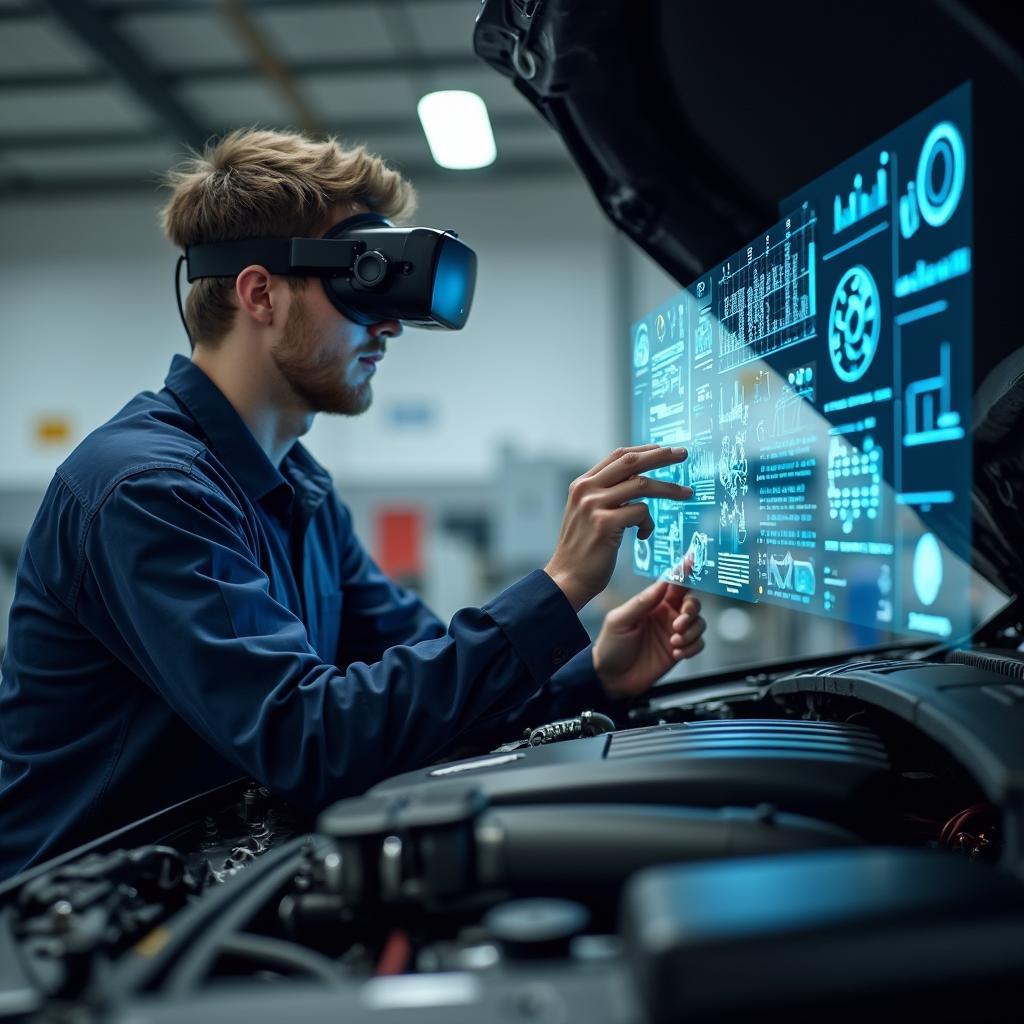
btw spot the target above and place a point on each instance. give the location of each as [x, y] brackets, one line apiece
[385, 329]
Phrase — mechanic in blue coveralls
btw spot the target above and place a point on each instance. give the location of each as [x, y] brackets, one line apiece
[192, 604]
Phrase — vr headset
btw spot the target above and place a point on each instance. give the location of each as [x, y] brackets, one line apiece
[370, 270]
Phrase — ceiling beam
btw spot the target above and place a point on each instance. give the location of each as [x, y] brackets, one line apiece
[27, 12]
[23, 187]
[126, 8]
[358, 128]
[401, 30]
[234, 72]
[275, 71]
[133, 8]
[92, 29]
[92, 139]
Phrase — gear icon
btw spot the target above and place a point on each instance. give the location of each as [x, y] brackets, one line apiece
[854, 324]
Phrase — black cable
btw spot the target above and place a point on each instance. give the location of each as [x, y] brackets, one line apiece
[177, 295]
[274, 871]
[279, 953]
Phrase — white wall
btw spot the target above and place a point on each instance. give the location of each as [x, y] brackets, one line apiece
[87, 319]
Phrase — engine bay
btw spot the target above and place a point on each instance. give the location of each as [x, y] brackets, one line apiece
[778, 825]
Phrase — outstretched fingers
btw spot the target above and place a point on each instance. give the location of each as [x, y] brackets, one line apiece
[644, 487]
[632, 463]
[617, 454]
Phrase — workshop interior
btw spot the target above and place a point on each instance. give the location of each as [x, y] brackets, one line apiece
[783, 236]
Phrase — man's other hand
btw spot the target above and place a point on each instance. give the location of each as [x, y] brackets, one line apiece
[602, 504]
[643, 638]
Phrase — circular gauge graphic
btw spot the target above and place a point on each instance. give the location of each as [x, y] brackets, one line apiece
[659, 326]
[941, 168]
[927, 569]
[641, 347]
[853, 324]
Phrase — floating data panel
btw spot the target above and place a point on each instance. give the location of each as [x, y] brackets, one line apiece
[820, 380]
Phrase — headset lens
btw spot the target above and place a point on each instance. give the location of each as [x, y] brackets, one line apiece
[454, 281]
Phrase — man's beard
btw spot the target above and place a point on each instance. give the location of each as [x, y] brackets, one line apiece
[312, 371]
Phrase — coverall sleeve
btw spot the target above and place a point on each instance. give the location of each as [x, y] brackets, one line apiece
[379, 613]
[186, 605]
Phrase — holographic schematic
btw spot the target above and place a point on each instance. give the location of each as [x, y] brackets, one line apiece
[824, 400]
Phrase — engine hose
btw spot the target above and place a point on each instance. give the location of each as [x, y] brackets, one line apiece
[278, 953]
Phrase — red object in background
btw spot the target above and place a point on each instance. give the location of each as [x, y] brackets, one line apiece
[400, 541]
[397, 953]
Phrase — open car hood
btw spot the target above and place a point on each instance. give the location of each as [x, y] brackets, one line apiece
[692, 122]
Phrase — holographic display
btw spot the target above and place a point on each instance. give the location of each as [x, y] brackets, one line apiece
[820, 380]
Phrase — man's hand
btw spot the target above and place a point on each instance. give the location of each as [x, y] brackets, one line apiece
[643, 638]
[602, 504]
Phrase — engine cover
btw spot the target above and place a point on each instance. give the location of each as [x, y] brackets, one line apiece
[805, 767]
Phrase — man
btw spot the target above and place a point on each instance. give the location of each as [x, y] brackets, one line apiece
[192, 604]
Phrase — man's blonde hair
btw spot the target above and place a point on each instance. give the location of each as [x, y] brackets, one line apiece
[266, 184]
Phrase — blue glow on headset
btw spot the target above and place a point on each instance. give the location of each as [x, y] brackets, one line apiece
[454, 279]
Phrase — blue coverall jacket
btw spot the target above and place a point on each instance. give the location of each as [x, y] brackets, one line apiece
[186, 612]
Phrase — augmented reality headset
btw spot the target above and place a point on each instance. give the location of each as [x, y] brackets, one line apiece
[371, 271]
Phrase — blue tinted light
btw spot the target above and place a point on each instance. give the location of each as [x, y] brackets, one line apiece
[822, 400]
[454, 282]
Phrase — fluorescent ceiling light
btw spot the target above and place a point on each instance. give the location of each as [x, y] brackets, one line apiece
[458, 129]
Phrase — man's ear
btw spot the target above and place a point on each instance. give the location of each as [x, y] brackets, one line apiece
[256, 295]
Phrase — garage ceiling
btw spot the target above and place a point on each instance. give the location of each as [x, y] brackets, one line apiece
[104, 95]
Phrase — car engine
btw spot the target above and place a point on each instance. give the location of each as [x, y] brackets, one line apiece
[778, 826]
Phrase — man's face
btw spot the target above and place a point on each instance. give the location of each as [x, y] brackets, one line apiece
[328, 360]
